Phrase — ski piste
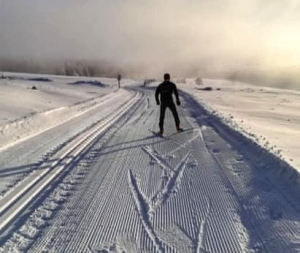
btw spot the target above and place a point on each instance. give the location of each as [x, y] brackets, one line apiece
[114, 187]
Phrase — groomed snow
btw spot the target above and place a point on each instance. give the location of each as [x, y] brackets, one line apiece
[87, 173]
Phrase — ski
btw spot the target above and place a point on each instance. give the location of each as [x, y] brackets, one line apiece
[156, 133]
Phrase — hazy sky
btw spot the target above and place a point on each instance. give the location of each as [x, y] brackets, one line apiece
[155, 32]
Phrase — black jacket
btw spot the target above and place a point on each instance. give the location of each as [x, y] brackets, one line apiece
[166, 89]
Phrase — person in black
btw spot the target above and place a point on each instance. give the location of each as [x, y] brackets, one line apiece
[165, 90]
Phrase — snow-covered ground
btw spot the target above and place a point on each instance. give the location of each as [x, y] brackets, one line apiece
[81, 169]
[267, 115]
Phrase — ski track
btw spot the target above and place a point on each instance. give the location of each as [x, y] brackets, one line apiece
[23, 197]
[44, 121]
[131, 191]
[28, 158]
[144, 210]
[93, 211]
[200, 245]
[172, 184]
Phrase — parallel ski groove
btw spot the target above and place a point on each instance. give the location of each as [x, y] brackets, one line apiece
[74, 148]
[127, 157]
[99, 210]
[104, 206]
[207, 186]
[132, 221]
[89, 107]
[108, 205]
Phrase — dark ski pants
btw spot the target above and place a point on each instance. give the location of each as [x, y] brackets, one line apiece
[163, 108]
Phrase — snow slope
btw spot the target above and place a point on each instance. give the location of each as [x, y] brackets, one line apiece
[102, 181]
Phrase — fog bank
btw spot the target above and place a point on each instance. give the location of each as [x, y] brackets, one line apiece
[182, 37]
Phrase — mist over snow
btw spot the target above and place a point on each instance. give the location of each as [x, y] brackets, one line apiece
[252, 40]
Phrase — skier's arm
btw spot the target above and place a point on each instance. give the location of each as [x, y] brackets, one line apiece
[157, 94]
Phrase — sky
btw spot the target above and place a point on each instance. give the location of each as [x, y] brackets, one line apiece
[173, 34]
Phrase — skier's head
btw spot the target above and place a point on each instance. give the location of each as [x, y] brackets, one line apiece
[167, 77]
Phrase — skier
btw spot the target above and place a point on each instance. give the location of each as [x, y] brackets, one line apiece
[165, 90]
[119, 80]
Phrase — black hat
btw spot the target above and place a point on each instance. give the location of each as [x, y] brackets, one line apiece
[167, 76]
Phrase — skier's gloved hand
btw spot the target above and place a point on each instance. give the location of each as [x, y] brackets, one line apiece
[178, 103]
[157, 102]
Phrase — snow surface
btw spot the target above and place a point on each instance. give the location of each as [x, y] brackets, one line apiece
[82, 170]
[269, 116]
